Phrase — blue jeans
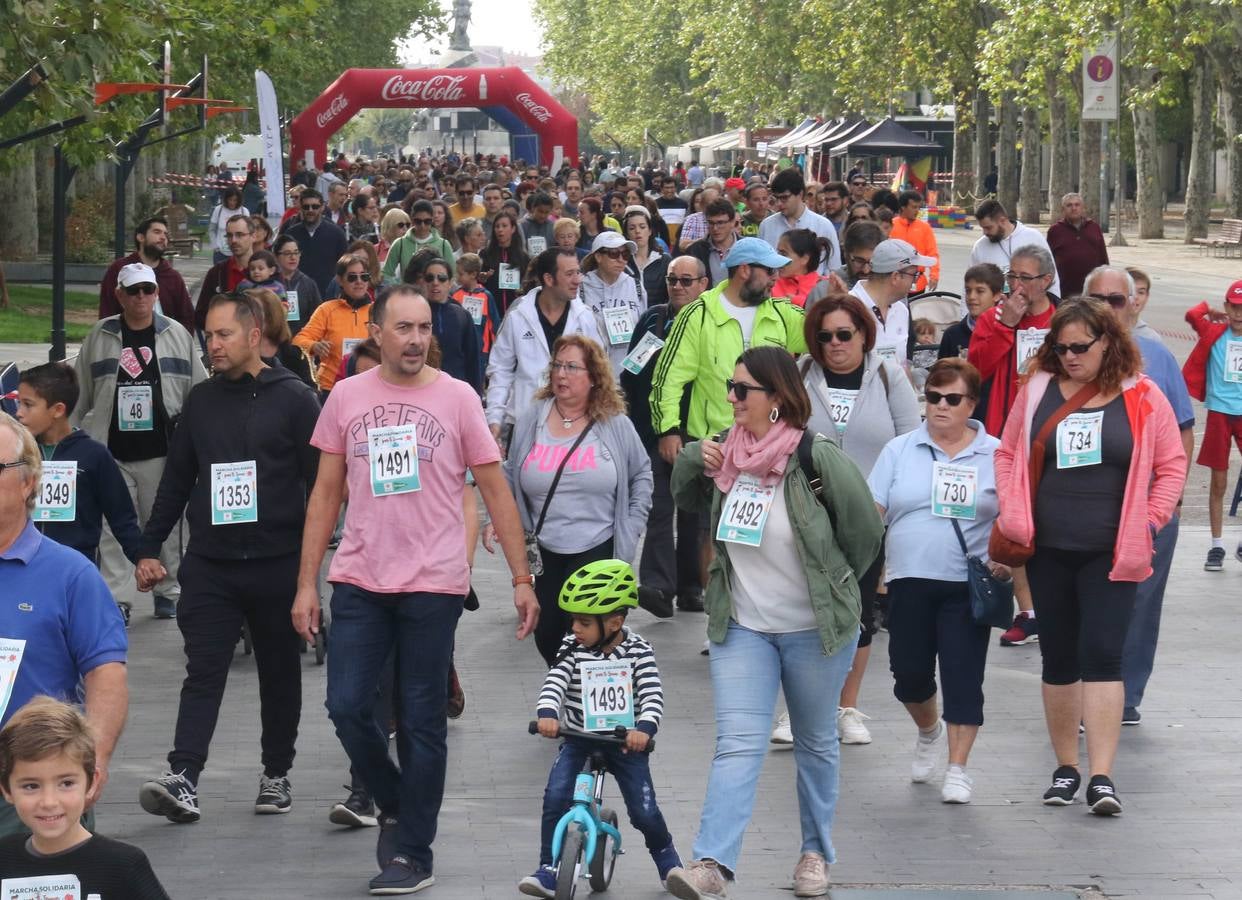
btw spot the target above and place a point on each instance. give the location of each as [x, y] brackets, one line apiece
[747, 669]
[1139, 655]
[630, 771]
[365, 627]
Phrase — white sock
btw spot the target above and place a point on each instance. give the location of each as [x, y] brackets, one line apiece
[930, 734]
[961, 770]
[1218, 542]
[1029, 613]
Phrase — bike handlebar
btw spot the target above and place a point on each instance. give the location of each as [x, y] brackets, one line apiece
[617, 736]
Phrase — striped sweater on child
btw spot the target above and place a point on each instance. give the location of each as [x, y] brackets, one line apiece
[562, 688]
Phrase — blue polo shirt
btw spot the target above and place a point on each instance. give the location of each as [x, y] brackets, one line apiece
[1160, 366]
[55, 600]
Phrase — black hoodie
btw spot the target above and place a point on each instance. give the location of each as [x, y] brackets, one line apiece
[268, 419]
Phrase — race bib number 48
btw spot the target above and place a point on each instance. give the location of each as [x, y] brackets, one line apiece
[393, 456]
[607, 694]
[133, 408]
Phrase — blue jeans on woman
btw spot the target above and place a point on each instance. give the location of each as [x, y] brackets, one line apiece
[747, 670]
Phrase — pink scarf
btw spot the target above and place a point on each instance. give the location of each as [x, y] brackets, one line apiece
[764, 458]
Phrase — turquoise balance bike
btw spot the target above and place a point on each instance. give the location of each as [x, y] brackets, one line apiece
[586, 840]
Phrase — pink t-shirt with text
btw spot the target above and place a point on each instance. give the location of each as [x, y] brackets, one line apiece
[412, 542]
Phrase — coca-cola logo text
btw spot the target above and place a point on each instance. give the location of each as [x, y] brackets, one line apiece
[536, 109]
[338, 104]
[436, 88]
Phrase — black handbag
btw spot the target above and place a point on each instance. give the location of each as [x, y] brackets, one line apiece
[991, 600]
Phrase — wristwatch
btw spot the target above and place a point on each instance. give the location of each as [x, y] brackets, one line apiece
[524, 579]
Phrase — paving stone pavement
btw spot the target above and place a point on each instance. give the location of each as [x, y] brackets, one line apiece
[1177, 773]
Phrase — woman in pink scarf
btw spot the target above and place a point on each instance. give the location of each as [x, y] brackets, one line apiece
[782, 607]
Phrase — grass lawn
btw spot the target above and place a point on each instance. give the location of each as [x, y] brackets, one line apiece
[28, 320]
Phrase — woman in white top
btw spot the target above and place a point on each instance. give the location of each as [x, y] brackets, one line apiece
[649, 266]
[230, 205]
[923, 483]
[611, 292]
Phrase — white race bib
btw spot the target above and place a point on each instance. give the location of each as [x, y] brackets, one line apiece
[1079, 437]
[954, 491]
[840, 405]
[474, 306]
[745, 512]
[889, 352]
[1028, 343]
[536, 244]
[11, 652]
[509, 278]
[134, 410]
[607, 694]
[1233, 362]
[393, 456]
[58, 492]
[293, 312]
[234, 493]
[636, 360]
[41, 886]
[620, 323]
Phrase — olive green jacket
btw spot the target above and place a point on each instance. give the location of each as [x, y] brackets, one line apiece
[838, 539]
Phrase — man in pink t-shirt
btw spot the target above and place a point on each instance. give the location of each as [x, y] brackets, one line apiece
[401, 436]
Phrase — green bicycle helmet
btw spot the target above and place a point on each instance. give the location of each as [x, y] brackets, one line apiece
[599, 588]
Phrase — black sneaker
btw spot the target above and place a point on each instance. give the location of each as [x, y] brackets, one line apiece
[1215, 560]
[1065, 784]
[386, 843]
[356, 811]
[656, 602]
[165, 608]
[1102, 797]
[126, 612]
[275, 796]
[1131, 716]
[400, 876]
[172, 796]
[456, 704]
[690, 601]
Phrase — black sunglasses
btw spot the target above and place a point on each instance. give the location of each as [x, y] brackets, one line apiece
[311, 207]
[842, 335]
[421, 221]
[435, 278]
[740, 389]
[135, 289]
[358, 276]
[1116, 301]
[683, 280]
[934, 398]
[1079, 349]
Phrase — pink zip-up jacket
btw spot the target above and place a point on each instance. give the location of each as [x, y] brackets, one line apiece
[1153, 487]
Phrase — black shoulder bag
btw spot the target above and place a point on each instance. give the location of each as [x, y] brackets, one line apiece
[991, 600]
[533, 557]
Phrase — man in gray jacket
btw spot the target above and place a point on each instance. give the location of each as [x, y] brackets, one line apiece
[135, 371]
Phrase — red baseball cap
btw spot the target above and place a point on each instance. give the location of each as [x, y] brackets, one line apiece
[735, 183]
[1234, 294]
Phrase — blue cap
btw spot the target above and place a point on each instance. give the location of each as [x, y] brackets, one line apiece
[752, 251]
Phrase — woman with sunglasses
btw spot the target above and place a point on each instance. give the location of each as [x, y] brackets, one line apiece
[420, 235]
[339, 324]
[648, 266]
[1109, 475]
[598, 508]
[451, 325]
[612, 293]
[782, 609]
[504, 260]
[394, 226]
[860, 402]
[925, 481]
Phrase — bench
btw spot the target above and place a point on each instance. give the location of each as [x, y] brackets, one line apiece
[185, 246]
[1229, 239]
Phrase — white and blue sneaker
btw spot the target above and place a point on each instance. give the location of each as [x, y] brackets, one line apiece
[541, 883]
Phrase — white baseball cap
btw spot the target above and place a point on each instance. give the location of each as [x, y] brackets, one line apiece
[136, 273]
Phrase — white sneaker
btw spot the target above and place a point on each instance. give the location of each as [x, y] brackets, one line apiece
[850, 727]
[957, 786]
[927, 752]
[782, 734]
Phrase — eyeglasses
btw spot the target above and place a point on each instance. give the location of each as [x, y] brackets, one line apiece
[910, 273]
[683, 280]
[860, 261]
[1011, 277]
[614, 252]
[782, 197]
[420, 221]
[719, 223]
[289, 253]
[440, 278]
[842, 335]
[13, 465]
[740, 389]
[1116, 301]
[403, 224]
[934, 398]
[568, 368]
[354, 277]
[311, 207]
[1077, 349]
[135, 289]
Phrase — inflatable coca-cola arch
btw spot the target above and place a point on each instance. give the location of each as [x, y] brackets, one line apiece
[539, 125]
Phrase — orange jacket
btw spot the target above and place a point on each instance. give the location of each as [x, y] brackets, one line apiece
[920, 236]
[334, 321]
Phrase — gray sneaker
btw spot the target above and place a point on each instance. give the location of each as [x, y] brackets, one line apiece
[700, 880]
[1215, 560]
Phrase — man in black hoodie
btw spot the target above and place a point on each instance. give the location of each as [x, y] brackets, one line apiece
[242, 461]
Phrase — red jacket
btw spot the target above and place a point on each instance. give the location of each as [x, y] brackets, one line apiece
[1195, 370]
[1077, 251]
[174, 296]
[992, 351]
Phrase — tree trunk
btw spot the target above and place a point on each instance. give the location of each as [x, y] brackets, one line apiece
[1007, 154]
[19, 226]
[964, 173]
[983, 140]
[1199, 175]
[44, 161]
[1029, 199]
[1089, 166]
[1230, 68]
[1060, 175]
[1149, 195]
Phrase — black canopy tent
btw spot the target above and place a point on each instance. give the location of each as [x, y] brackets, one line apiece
[886, 138]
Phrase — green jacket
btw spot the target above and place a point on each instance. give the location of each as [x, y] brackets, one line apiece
[702, 349]
[404, 248]
[838, 539]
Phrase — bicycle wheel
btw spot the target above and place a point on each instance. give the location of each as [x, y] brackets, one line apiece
[570, 865]
[605, 859]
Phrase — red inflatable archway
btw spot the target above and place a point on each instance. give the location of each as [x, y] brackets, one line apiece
[505, 92]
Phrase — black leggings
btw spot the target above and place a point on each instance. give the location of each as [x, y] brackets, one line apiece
[553, 622]
[868, 587]
[1083, 617]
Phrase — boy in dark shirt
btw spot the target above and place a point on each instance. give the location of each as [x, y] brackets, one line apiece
[47, 770]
